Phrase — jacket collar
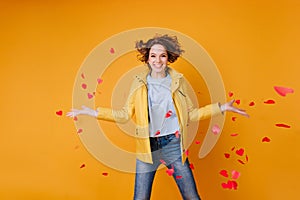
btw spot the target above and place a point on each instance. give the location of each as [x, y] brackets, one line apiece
[175, 76]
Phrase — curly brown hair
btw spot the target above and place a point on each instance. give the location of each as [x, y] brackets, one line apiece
[170, 43]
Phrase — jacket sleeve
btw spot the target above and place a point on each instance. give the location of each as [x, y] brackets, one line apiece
[121, 115]
[201, 113]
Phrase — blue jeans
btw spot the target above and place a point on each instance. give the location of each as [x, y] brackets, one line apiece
[167, 149]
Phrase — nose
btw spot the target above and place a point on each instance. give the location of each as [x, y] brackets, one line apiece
[158, 59]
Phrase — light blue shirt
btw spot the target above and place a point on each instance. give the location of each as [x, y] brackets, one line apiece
[163, 118]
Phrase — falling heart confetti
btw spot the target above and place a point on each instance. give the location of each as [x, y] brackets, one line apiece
[240, 152]
[90, 95]
[266, 139]
[168, 114]
[270, 101]
[192, 166]
[237, 102]
[178, 177]
[247, 158]
[240, 161]
[230, 94]
[197, 142]
[82, 76]
[59, 113]
[187, 152]
[224, 173]
[230, 185]
[105, 174]
[283, 125]
[112, 50]
[235, 174]
[216, 129]
[170, 172]
[157, 132]
[162, 161]
[79, 130]
[75, 118]
[99, 80]
[251, 103]
[82, 166]
[234, 134]
[84, 86]
[283, 91]
[227, 155]
[177, 134]
[233, 118]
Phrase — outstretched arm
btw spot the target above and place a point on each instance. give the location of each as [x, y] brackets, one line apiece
[229, 107]
[84, 111]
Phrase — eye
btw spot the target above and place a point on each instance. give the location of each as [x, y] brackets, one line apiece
[153, 56]
[164, 55]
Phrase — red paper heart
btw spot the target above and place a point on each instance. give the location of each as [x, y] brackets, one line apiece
[192, 166]
[238, 102]
[251, 103]
[178, 177]
[79, 130]
[224, 173]
[283, 125]
[270, 101]
[170, 172]
[233, 118]
[177, 134]
[266, 139]
[197, 142]
[59, 113]
[234, 134]
[105, 174]
[186, 152]
[283, 91]
[157, 132]
[240, 152]
[230, 94]
[227, 155]
[168, 114]
[240, 161]
[82, 166]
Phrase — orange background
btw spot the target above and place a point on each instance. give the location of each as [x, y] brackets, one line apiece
[254, 44]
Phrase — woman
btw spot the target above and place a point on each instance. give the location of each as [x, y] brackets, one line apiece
[162, 109]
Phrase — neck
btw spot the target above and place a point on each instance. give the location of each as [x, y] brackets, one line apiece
[158, 74]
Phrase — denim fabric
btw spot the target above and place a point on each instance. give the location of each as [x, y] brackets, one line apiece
[167, 149]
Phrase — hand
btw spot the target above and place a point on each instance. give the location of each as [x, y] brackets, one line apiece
[84, 111]
[229, 107]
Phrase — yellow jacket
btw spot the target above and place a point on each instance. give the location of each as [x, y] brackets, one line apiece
[137, 104]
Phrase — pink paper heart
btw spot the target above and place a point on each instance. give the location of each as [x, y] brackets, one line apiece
[162, 161]
[216, 129]
[99, 80]
[283, 91]
[177, 134]
[197, 142]
[112, 50]
[170, 172]
[90, 95]
[84, 86]
[235, 174]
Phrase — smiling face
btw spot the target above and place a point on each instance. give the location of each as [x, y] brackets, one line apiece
[158, 59]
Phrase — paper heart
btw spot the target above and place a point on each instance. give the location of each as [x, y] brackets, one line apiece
[162, 161]
[233, 118]
[157, 132]
[90, 95]
[84, 86]
[187, 152]
[168, 114]
[79, 130]
[227, 155]
[197, 142]
[235, 174]
[230, 94]
[240, 152]
[82, 166]
[266, 139]
[170, 172]
[234, 134]
[283, 91]
[240, 161]
[251, 103]
[237, 102]
[59, 113]
[105, 174]
[192, 166]
[283, 125]
[177, 134]
[230, 185]
[99, 80]
[224, 173]
[112, 50]
[178, 177]
[216, 129]
[82, 76]
[270, 101]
